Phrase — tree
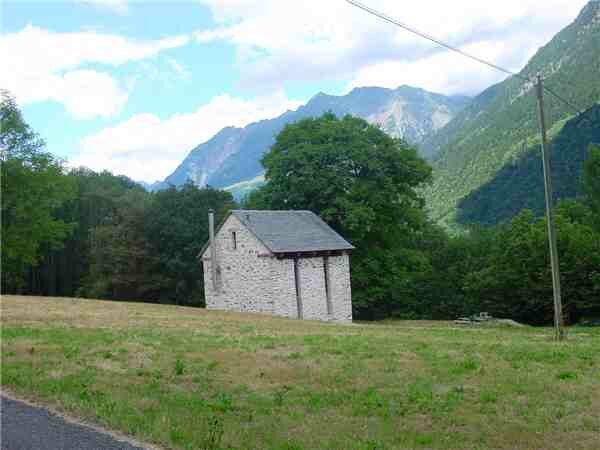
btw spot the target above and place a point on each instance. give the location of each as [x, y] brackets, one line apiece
[515, 281]
[121, 263]
[176, 228]
[591, 179]
[364, 184]
[96, 202]
[438, 292]
[33, 188]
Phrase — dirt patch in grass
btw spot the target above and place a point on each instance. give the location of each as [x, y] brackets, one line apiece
[265, 370]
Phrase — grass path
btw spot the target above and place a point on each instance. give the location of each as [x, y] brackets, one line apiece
[187, 378]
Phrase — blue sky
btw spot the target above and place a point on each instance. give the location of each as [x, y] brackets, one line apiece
[132, 86]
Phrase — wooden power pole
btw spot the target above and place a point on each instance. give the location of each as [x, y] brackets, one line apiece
[558, 317]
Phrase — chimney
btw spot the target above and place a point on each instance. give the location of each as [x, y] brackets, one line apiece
[213, 248]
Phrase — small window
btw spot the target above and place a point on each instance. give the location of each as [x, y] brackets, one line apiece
[234, 240]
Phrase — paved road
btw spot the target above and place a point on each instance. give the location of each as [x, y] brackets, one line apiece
[24, 427]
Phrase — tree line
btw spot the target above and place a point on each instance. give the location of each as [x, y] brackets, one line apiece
[81, 233]
[86, 234]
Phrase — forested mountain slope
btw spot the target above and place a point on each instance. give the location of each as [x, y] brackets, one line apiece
[501, 123]
[233, 155]
[520, 184]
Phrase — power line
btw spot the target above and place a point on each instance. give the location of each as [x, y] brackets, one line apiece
[558, 320]
[431, 38]
[454, 49]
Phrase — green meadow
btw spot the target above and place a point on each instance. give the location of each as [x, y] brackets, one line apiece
[187, 378]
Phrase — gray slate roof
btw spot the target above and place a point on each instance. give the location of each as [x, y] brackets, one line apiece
[291, 231]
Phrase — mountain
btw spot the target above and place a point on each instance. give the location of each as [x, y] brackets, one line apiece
[150, 186]
[520, 184]
[233, 155]
[500, 124]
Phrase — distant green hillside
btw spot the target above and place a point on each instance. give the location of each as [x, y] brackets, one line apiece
[501, 123]
[520, 184]
[243, 188]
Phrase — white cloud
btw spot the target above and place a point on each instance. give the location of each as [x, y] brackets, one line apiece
[85, 93]
[445, 72]
[277, 41]
[148, 148]
[283, 40]
[45, 65]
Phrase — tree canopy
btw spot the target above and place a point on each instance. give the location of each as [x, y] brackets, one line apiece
[363, 183]
[33, 187]
[591, 178]
[176, 228]
[82, 233]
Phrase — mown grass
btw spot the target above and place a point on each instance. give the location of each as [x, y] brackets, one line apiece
[187, 378]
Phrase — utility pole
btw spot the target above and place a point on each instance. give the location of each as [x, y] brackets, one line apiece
[558, 318]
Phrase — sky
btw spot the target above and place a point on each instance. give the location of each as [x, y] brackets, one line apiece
[133, 86]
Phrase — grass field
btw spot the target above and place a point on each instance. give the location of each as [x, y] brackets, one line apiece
[187, 378]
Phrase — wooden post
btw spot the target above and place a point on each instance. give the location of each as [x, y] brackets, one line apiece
[558, 318]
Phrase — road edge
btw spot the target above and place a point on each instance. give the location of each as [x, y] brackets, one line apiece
[117, 435]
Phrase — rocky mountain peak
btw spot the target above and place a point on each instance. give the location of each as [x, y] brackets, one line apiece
[233, 155]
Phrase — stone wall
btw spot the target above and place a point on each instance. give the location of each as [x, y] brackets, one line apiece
[251, 279]
[283, 289]
[244, 275]
[312, 288]
[341, 293]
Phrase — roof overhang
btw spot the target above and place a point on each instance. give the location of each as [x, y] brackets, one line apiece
[311, 254]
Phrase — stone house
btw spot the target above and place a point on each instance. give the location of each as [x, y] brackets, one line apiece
[285, 263]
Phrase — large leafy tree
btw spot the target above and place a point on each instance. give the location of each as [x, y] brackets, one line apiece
[364, 184]
[33, 188]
